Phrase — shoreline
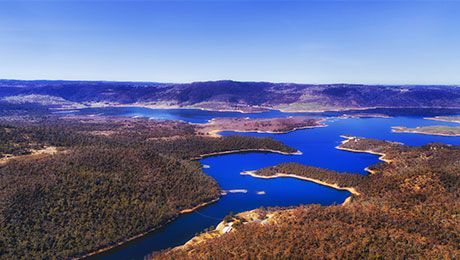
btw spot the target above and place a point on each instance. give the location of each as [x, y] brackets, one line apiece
[190, 210]
[286, 110]
[397, 129]
[184, 211]
[353, 116]
[352, 190]
[381, 158]
[262, 109]
[348, 138]
[124, 241]
[216, 132]
[152, 106]
[442, 119]
[347, 201]
[367, 169]
[245, 151]
[225, 227]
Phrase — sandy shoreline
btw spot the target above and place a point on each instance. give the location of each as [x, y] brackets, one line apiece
[258, 109]
[348, 138]
[165, 106]
[381, 158]
[397, 129]
[245, 151]
[213, 128]
[184, 211]
[284, 175]
[287, 110]
[443, 119]
[216, 132]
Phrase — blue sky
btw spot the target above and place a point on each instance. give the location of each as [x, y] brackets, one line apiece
[384, 42]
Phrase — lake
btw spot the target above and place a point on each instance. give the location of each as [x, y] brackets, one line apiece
[318, 147]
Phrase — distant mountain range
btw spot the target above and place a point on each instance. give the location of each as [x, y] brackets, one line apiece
[228, 95]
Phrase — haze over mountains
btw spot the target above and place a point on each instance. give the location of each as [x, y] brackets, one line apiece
[227, 95]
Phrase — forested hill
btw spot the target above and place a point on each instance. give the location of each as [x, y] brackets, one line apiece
[228, 94]
[68, 187]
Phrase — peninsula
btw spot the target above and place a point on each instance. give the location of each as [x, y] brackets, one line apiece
[260, 125]
[453, 119]
[320, 176]
[429, 130]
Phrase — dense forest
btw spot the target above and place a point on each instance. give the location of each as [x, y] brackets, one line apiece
[111, 179]
[408, 209]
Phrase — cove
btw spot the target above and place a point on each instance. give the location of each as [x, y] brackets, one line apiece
[318, 147]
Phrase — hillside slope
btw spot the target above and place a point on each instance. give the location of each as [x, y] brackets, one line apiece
[101, 181]
[227, 95]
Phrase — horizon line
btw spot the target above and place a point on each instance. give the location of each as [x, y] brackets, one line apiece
[231, 80]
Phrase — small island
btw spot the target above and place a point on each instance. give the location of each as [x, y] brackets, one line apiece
[429, 130]
[259, 125]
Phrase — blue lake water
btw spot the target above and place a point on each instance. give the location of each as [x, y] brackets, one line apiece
[202, 116]
[318, 147]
